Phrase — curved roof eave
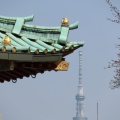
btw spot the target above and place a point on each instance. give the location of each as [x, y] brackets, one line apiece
[49, 29]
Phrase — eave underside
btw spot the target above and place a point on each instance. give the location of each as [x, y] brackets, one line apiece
[26, 69]
[19, 72]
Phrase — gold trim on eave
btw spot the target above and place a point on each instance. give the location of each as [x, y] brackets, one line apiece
[62, 65]
[6, 40]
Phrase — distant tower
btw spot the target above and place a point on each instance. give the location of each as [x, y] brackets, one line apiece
[80, 96]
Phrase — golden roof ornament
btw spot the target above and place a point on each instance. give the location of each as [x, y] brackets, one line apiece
[6, 40]
[65, 22]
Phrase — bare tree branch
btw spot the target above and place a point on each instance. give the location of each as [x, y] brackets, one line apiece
[115, 83]
[115, 11]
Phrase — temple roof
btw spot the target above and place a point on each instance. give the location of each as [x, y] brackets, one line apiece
[18, 37]
[26, 50]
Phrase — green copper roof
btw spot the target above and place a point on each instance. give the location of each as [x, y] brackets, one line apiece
[28, 49]
[25, 38]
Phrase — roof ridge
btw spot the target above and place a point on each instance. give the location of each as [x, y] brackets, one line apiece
[26, 19]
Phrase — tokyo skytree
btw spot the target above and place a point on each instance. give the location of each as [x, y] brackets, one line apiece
[80, 95]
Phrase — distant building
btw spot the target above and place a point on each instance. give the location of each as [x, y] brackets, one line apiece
[0, 116]
[80, 95]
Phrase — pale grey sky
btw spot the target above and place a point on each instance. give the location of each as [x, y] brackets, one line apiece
[52, 94]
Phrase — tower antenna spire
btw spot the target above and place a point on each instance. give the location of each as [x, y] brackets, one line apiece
[80, 95]
[80, 67]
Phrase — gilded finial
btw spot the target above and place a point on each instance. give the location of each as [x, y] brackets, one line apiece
[65, 21]
[6, 40]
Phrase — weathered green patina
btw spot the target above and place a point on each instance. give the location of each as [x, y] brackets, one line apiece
[25, 46]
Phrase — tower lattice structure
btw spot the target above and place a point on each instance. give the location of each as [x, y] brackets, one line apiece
[80, 95]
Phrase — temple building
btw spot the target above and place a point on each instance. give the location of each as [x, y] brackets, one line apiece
[26, 50]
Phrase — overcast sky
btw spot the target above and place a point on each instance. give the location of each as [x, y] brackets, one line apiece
[51, 95]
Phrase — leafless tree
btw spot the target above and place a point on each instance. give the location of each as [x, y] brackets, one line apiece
[115, 83]
[115, 12]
